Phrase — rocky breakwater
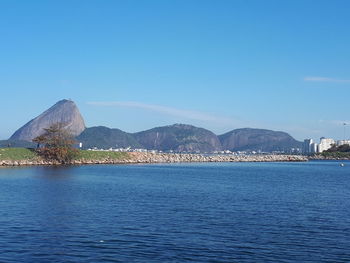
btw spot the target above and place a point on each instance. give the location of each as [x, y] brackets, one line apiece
[40, 162]
[178, 158]
[26, 162]
[136, 157]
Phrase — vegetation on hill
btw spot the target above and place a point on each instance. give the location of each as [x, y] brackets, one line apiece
[258, 139]
[179, 137]
[105, 138]
[345, 148]
[338, 152]
[188, 138]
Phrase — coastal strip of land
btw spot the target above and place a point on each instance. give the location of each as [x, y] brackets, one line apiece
[25, 157]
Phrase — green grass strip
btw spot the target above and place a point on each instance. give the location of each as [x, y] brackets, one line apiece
[17, 154]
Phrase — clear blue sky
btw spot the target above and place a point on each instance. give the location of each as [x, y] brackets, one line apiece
[221, 65]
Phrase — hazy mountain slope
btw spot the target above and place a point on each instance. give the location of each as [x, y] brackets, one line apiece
[16, 143]
[258, 139]
[179, 137]
[103, 137]
[64, 111]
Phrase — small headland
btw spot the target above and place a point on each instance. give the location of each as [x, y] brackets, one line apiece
[28, 157]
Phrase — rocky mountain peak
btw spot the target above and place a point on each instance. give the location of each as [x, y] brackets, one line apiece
[64, 111]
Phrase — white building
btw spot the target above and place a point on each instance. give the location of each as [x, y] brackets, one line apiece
[311, 147]
[343, 142]
[325, 144]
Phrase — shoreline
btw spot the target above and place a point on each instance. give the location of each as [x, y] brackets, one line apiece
[327, 158]
[149, 158]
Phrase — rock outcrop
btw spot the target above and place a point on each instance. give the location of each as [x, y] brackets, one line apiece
[64, 111]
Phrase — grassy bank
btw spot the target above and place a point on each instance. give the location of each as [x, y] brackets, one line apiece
[16, 154]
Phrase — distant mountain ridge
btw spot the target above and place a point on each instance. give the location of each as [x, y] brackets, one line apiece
[188, 138]
[258, 140]
[105, 138]
[177, 137]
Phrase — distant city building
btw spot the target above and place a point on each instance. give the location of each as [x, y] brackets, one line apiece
[311, 147]
[325, 144]
[343, 142]
[307, 146]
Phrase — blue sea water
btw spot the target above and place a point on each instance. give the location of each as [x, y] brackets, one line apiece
[207, 212]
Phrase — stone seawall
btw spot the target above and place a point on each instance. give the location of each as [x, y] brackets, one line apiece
[178, 158]
[136, 157]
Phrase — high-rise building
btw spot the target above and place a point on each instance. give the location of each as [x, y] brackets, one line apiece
[313, 147]
[325, 144]
[307, 146]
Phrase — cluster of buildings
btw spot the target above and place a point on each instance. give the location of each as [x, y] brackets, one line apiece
[311, 147]
[129, 149]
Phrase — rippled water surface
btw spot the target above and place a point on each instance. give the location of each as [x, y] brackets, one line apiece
[236, 212]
